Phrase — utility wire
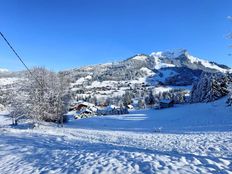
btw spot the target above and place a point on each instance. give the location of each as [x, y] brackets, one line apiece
[20, 59]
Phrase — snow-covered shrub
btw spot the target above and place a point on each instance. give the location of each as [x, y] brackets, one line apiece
[2, 108]
[49, 97]
[44, 98]
[17, 99]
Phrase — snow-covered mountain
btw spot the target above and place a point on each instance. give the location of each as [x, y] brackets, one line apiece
[180, 58]
[3, 70]
[158, 72]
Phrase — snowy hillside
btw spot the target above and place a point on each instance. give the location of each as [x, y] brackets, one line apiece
[191, 138]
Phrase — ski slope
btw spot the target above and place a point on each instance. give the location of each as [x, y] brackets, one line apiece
[191, 138]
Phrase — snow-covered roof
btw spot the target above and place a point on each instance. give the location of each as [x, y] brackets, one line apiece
[81, 102]
[86, 111]
[130, 106]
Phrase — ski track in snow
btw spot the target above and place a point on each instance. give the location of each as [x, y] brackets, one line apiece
[95, 145]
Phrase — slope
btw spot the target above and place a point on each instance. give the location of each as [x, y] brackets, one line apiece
[194, 139]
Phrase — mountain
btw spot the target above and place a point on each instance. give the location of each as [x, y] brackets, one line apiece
[2, 70]
[164, 74]
[158, 72]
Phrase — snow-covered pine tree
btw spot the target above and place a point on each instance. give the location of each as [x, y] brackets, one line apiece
[127, 98]
[229, 100]
[210, 87]
[150, 99]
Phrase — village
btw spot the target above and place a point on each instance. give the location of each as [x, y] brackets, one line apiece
[82, 109]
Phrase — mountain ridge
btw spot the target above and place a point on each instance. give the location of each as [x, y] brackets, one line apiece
[138, 76]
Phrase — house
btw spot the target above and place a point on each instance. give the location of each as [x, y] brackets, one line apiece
[130, 106]
[84, 114]
[81, 105]
[166, 103]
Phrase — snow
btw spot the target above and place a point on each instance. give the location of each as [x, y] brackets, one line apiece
[164, 74]
[177, 53]
[206, 63]
[8, 81]
[162, 89]
[3, 70]
[169, 54]
[140, 57]
[148, 71]
[158, 62]
[2, 108]
[81, 80]
[193, 138]
[96, 84]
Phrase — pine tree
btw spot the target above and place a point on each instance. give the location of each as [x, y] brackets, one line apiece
[210, 87]
[150, 99]
[127, 99]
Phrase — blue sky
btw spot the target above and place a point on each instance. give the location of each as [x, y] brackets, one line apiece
[63, 34]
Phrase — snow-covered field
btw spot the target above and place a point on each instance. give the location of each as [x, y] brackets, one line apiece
[191, 138]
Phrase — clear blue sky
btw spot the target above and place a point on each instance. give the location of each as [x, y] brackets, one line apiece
[62, 34]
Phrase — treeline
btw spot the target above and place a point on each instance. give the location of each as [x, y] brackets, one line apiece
[210, 87]
[140, 99]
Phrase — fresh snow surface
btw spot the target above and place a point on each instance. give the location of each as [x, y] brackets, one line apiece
[191, 138]
[4, 70]
[140, 57]
[164, 74]
[206, 63]
[169, 54]
[8, 81]
[148, 71]
[176, 53]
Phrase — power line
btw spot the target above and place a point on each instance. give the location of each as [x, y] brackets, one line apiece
[20, 59]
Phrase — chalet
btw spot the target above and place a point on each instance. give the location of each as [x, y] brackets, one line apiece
[165, 103]
[84, 114]
[130, 106]
[81, 105]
